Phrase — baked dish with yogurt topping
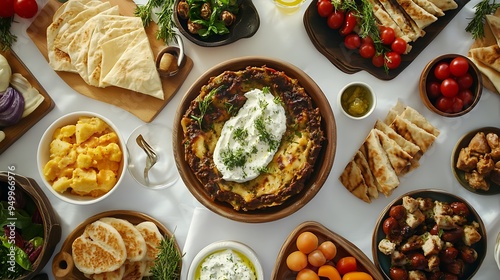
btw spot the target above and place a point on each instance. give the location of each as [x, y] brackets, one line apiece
[252, 137]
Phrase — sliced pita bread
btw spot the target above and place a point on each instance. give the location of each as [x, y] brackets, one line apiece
[153, 239]
[430, 7]
[494, 24]
[134, 270]
[386, 20]
[418, 14]
[415, 117]
[380, 165]
[79, 48]
[489, 56]
[445, 5]
[398, 158]
[490, 73]
[406, 145]
[134, 241]
[413, 133]
[407, 26]
[353, 181]
[111, 275]
[370, 181]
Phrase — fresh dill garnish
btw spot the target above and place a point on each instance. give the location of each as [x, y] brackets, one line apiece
[203, 106]
[167, 263]
[240, 134]
[264, 135]
[476, 25]
[234, 158]
[6, 37]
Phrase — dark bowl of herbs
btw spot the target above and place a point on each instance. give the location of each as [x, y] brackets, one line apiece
[30, 227]
[216, 23]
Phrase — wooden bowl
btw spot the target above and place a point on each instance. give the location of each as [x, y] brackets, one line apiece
[43, 156]
[323, 165]
[246, 25]
[51, 224]
[63, 266]
[460, 174]
[344, 249]
[383, 262]
[427, 76]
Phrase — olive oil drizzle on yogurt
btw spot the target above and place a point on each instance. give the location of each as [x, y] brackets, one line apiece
[250, 139]
[226, 264]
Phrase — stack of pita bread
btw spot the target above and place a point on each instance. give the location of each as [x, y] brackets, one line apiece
[410, 17]
[91, 38]
[113, 248]
[485, 52]
[391, 149]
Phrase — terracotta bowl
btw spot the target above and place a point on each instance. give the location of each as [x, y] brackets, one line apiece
[323, 165]
[246, 25]
[50, 220]
[383, 262]
[43, 157]
[345, 248]
[427, 77]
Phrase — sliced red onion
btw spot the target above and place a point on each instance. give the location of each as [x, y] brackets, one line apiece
[11, 107]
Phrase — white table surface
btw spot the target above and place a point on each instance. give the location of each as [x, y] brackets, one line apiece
[283, 37]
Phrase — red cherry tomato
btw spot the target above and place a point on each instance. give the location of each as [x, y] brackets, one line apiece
[347, 264]
[465, 81]
[367, 40]
[6, 8]
[336, 19]
[433, 90]
[466, 96]
[459, 66]
[442, 71]
[399, 45]
[349, 23]
[25, 8]
[458, 105]
[387, 35]
[444, 104]
[449, 87]
[367, 50]
[378, 60]
[392, 60]
[352, 41]
[325, 8]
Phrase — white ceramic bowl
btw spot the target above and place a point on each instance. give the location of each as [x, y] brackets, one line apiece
[372, 99]
[43, 155]
[222, 245]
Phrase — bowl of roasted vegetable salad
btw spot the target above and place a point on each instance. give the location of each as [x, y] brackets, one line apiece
[30, 227]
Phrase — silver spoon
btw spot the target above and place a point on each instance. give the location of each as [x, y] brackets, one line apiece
[152, 156]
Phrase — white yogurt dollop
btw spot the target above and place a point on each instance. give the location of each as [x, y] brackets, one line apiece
[226, 264]
[250, 139]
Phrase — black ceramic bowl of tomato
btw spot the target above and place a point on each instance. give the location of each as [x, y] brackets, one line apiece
[450, 85]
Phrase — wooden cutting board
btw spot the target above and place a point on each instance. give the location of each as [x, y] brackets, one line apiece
[143, 106]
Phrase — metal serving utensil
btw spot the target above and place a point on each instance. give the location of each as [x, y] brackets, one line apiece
[152, 156]
[177, 52]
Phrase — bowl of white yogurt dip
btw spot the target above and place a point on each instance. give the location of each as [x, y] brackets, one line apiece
[226, 260]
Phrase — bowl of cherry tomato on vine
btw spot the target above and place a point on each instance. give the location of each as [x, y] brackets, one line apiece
[450, 85]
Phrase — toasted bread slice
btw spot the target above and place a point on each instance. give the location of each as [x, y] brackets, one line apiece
[112, 275]
[353, 181]
[398, 158]
[153, 238]
[413, 133]
[134, 241]
[134, 270]
[99, 249]
[380, 165]
[430, 7]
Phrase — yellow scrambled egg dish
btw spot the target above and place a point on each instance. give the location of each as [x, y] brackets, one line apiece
[84, 158]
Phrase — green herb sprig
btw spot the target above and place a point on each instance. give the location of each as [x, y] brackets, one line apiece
[166, 23]
[6, 37]
[167, 263]
[476, 25]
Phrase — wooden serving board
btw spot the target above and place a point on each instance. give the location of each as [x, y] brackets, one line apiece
[14, 132]
[62, 264]
[142, 106]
